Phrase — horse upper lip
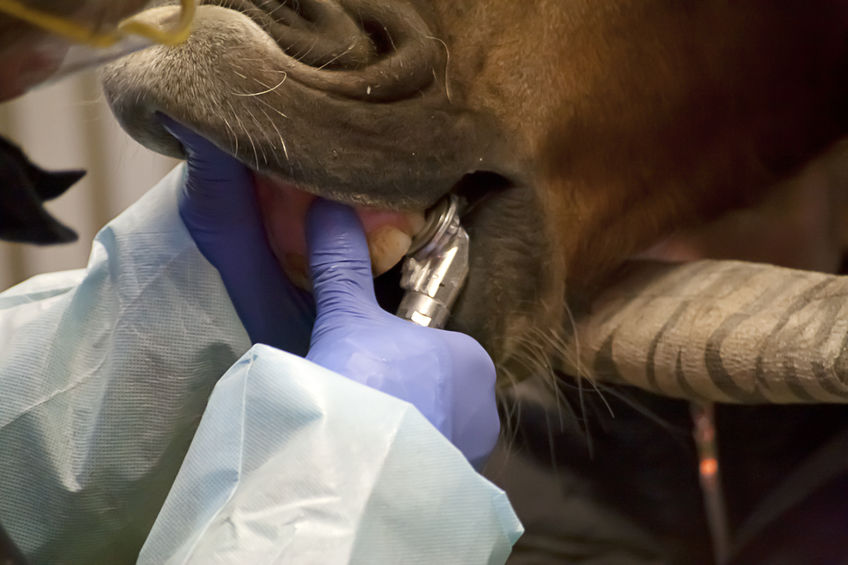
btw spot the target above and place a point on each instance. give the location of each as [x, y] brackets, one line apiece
[312, 129]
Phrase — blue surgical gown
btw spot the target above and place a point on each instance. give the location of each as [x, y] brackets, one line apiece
[117, 429]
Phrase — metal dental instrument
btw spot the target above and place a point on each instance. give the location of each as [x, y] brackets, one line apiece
[435, 268]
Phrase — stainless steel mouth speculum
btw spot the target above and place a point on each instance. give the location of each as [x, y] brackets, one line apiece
[435, 267]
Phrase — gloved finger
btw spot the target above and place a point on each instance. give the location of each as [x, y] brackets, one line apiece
[339, 261]
[476, 425]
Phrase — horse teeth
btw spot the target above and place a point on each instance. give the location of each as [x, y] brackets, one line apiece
[387, 245]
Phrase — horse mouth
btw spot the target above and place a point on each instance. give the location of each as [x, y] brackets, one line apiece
[284, 208]
[389, 233]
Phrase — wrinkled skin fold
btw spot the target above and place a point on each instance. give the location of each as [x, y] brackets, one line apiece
[593, 129]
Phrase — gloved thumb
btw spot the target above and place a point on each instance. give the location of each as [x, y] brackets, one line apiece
[339, 261]
[202, 155]
[213, 179]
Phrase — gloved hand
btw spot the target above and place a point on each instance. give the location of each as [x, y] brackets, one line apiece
[446, 375]
[218, 206]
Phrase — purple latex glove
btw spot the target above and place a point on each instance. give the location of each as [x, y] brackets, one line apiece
[446, 375]
[218, 206]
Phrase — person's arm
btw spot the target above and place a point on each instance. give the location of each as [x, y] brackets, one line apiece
[104, 374]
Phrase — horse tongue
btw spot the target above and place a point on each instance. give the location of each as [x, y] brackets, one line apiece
[284, 208]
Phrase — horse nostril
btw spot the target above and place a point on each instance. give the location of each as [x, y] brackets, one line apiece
[318, 33]
[380, 37]
[282, 11]
[292, 12]
[329, 35]
[375, 50]
[299, 8]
